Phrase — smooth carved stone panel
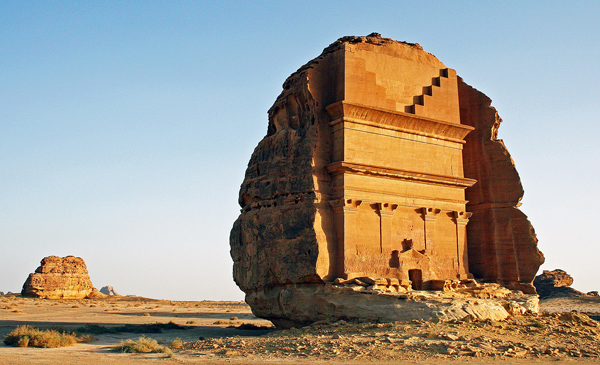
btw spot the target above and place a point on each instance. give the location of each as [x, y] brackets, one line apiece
[387, 75]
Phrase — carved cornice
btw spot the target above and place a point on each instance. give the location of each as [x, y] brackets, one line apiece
[393, 120]
[337, 168]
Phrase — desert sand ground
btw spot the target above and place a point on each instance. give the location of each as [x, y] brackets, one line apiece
[529, 339]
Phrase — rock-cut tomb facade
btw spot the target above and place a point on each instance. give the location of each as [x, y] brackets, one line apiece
[379, 161]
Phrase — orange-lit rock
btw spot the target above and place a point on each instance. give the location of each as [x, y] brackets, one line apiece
[59, 278]
[361, 175]
[502, 242]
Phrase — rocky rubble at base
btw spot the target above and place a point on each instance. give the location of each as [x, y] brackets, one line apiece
[403, 288]
[549, 336]
[369, 299]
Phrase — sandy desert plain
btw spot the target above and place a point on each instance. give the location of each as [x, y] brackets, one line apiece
[228, 332]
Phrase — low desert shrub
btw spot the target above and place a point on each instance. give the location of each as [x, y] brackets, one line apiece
[176, 344]
[29, 336]
[143, 345]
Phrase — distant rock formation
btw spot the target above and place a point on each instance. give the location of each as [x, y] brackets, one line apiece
[1, 293]
[96, 294]
[109, 290]
[59, 278]
[556, 283]
[379, 162]
[554, 278]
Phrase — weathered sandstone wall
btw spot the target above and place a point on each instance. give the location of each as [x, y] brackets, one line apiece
[59, 278]
[502, 242]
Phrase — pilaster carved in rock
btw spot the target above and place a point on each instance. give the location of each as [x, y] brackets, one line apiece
[462, 219]
[386, 212]
[344, 215]
[429, 217]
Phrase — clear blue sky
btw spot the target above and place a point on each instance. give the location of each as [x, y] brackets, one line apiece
[126, 126]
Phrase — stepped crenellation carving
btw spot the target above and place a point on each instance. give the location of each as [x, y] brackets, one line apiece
[434, 100]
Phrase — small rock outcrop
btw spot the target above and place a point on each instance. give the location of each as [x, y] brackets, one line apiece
[109, 290]
[555, 278]
[59, 278]
[555, 283]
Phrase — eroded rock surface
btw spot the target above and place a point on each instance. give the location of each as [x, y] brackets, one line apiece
[501, 240]
[379, 162]
[59, 278]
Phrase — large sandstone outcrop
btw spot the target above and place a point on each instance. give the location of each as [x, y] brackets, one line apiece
[381, 164]
[502, 242]
[59, 278]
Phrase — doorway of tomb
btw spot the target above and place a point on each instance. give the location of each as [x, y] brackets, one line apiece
[395, 260]
[416, 276]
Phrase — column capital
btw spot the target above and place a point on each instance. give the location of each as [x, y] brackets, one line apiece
[386, 209]
[430, 214]
[462, 218]
[345, 205]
